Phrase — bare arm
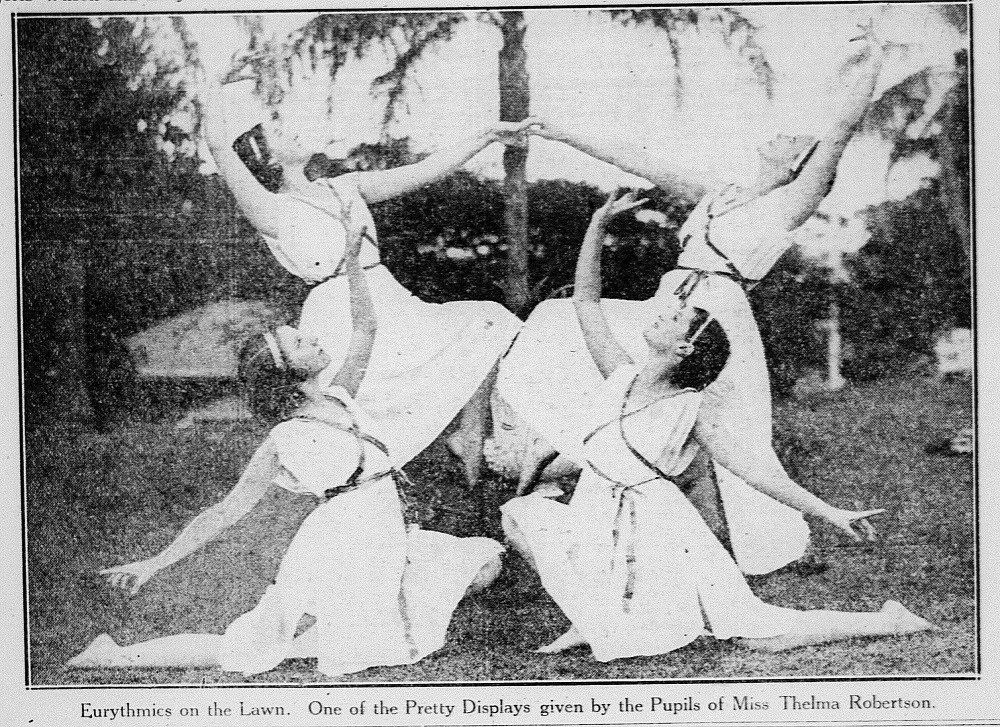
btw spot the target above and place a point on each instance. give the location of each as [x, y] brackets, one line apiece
[765, 474]
[259, 205]
[630, 157]
[604, 348]
[381, 185]
[804, 194]
[207, 525]
[363, 319]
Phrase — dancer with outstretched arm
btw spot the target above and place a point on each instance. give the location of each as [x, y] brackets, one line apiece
[630, 561]
[729, 242]
[428, 360]
[380, 593]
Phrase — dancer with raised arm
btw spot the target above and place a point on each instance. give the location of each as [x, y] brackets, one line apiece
[630, 561]
[729, 242]
[428, 359]
[381, 594]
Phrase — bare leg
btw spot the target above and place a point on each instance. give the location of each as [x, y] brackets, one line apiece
[182, 650]
[818, 627]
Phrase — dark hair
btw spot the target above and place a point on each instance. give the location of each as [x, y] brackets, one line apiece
[711, 352]
[260, 165]
[268, 173]
[273, 393]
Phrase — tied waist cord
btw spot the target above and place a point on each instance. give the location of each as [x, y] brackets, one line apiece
[624, 529]
[356, 481]
[339, 272]
[625, 495]
[697, 275]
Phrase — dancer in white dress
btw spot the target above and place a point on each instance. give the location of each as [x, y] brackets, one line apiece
[730, 241]
[380, 594]
[629, 560]
[429, 359]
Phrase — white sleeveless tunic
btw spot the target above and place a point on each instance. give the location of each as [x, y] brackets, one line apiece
[428, 359]
[549, 378]
[381, 595]
[629, 560]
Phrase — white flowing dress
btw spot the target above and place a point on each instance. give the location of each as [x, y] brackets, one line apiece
[381, 594]
[428, 359]
[630, 561]
[549, 378]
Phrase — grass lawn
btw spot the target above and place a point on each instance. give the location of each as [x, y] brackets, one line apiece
[98, 500]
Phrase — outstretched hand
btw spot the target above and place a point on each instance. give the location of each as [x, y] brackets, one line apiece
[616, 205]
[511, 133]
[131, 576]
[545, 128]
[855, 523]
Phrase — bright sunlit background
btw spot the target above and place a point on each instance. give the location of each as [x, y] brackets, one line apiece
[586, 67]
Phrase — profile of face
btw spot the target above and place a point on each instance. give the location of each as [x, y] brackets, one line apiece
[301, 351]
[668, 331]
[780, 155]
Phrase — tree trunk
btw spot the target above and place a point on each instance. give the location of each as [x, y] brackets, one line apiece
[953, 156]
[514, 107]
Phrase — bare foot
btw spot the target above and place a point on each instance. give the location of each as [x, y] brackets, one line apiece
[102, 651]
[907, 622]
[898, 621]
[568, 640]
[771, 644]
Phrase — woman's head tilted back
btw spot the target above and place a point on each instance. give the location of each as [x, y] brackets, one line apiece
[273, 368]
[708, 355]
[688, 341]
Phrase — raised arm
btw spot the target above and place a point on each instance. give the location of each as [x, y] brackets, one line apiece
[380, 185]
[804, 194]
[258, 204]
[764, 473]
[604, 348]
[629, 156]
[363, 318]
[252, 485]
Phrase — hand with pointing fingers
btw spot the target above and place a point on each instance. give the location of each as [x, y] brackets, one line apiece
[511, 133]
[131, 576]
[855, 522]
[615, 206]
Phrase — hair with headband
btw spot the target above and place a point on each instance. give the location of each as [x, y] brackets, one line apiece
[251, 148]
[273, 390]
[709, 354]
